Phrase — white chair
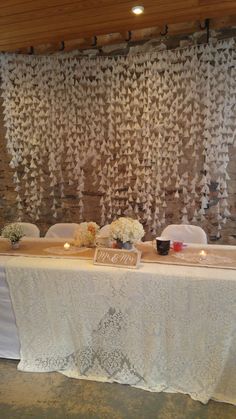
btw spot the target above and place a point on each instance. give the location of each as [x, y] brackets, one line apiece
[29, 229]
[186, 233]
[62, 230]
[104, 231]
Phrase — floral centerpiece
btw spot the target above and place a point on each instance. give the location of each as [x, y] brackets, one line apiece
[126, 231]
[85, 234]
[14, 233]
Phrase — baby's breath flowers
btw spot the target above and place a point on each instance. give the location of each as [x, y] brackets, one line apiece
[13, 232]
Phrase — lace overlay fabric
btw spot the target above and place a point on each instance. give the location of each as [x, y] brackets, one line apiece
[208, 259]
[161, 328]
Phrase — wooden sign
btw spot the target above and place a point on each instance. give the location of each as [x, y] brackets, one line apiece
[117, 257]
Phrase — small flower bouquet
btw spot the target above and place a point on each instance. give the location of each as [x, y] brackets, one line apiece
[85, 234]
[13, 232]
[126, 230]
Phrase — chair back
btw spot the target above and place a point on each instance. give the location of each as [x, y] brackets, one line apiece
[62, 230]
[186, 233]
[29, 229]
[104, 231]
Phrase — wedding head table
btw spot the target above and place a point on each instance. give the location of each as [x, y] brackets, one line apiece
[169, 325]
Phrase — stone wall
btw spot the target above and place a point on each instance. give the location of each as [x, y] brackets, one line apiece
[70, 210]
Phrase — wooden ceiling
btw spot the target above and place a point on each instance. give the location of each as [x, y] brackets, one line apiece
[25, 23]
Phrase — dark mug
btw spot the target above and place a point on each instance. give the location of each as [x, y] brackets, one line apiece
[163, 245]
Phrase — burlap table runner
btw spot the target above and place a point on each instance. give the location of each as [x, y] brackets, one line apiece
[45, 248]
[189, 256]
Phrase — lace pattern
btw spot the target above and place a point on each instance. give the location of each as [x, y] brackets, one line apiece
[59, 250]
[207, 260]
[158, 328]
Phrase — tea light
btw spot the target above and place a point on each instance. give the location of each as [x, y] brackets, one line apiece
[66, 246]
[203, 255]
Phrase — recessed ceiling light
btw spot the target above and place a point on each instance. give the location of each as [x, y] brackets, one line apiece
[138, 10]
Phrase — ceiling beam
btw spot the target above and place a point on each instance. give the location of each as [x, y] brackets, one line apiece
[26, 23]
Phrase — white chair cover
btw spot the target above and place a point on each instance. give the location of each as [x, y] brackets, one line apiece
[62, 230]
[186, 233]
[29, 229]
[104, 231]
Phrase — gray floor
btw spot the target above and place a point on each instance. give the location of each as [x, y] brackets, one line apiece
[26, 395]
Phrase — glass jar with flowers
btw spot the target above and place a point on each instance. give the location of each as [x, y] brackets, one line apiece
[85, 234]
[14, 233]
[126, 231]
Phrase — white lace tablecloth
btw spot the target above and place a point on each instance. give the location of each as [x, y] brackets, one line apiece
[9, 340]
[161, 328]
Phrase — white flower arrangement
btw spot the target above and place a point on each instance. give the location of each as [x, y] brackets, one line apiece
[126, 229]
[85, 234]
[13, 232]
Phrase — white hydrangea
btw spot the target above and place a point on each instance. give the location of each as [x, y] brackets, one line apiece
[127, 230]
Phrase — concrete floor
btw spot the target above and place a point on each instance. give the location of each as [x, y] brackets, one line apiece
[52, 395]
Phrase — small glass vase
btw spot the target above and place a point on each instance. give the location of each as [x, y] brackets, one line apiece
[15, 245]
[124, 245]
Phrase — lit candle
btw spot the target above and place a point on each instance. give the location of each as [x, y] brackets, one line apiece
[66, 246]
[203, 255]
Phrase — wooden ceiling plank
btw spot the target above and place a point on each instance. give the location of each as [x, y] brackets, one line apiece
[104, 28]
[25, 7]
[137, 35]
[112, 26]
[28, 5]
[53, 23]
[213, 2]
[59, 6]
[49, 16]
[72, 34]
[57, 36]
